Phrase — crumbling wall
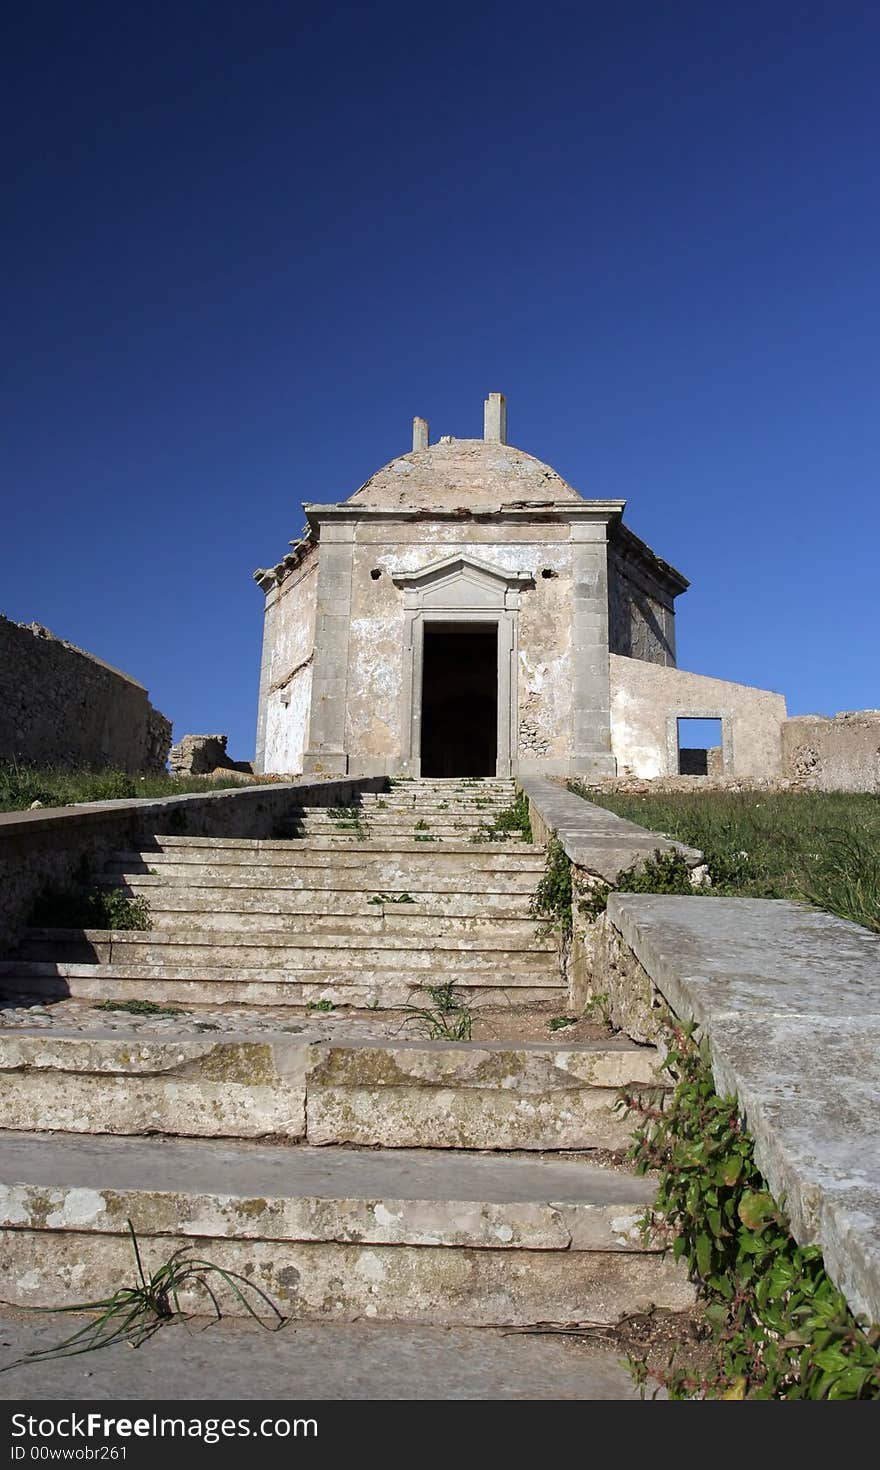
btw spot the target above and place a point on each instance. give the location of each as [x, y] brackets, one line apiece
[61, 706]
[286, 674]
[839, 754]
[647, 700]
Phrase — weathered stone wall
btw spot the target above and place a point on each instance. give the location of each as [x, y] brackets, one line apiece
[641, 618]
[286, 673]
[62, 706]
[839, 754]
[374, 693]
[788, 999]
[647, 699]
[199, 755]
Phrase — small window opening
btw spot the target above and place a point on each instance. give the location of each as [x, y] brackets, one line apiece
[547, 572]
[376, 573]
[700, 747]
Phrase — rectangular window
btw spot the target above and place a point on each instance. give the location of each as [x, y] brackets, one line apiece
[700, 747]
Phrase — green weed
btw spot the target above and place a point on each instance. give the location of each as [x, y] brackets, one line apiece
[134, 1313]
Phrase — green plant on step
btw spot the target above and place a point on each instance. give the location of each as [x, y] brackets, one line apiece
[421, 825]
[91, 908]
[320, 1005]
[662, 872]
[560, 1023]
[391, 898]
[514, 820]
[552, 898]
[598, 1008]
[141, 1008]
[449, 1018]
[134, 1313]
[780, 1327]
[424, 837]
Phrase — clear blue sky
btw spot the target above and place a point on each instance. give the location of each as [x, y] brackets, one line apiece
[247, 242]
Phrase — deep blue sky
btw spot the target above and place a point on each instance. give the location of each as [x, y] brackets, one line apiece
[247, 242]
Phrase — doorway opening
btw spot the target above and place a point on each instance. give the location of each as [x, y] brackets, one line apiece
[460, 699]
[700, 747]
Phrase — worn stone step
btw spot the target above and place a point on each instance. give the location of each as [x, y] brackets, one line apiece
[245, 912]
[317, 852]
[333, 1361]
[404, 830]
[324, 869]
[290, 949]
[398, 1094]
[175, 983]
[324, 899]
[334, 1234]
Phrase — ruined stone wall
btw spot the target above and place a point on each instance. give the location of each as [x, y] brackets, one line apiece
[839, 754]
[641, 619]
[647, 699]
[286, 673]
[62, 706]
[375, 673]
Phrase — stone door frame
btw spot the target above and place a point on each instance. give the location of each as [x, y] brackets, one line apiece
[459, 590]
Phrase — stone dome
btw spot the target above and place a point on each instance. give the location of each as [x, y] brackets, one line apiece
[466, 473]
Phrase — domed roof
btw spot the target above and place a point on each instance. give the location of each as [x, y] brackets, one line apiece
[464, 473]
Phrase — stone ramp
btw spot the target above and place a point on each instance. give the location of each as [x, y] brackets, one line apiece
[334, 1234]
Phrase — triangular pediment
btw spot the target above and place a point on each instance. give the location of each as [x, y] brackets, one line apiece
[461, 566]
[461, 582]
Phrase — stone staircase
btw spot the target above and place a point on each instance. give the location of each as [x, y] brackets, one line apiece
[296, 1113]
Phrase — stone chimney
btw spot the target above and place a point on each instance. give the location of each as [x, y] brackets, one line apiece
[495, 418]
[420, 434]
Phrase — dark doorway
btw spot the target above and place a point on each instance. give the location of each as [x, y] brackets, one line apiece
[460, 699]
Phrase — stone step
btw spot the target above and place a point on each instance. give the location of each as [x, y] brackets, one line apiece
[338, 841]
[407, 829]
[286, 897]
[334, 1234]
[205, 984]
[316, 852]
[291, 949]
[244, 912]
[405, 1093]
[469, 810]
[338, 1361]
[347, 868]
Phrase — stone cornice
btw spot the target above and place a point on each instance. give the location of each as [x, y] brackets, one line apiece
[635, 554]
[560, 511]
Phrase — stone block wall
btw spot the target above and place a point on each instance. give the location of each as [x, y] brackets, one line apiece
[647, 700]
[60, 706]
[839, 754]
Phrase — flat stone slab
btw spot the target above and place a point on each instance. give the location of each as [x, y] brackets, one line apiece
[789, 998]
[307, 1361]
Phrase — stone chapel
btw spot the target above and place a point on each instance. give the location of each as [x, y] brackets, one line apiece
[467, 612]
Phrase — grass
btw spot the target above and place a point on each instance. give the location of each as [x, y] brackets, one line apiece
[148, 1008]
[448, 1018]
[513, 820]
[134, 1313]
[21, 786]
[818, 847]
